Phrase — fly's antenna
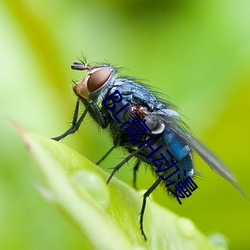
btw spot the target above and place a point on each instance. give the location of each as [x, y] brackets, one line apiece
[80, 66]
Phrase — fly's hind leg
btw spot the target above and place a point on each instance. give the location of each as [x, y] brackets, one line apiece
[135, 169]
[145, 196]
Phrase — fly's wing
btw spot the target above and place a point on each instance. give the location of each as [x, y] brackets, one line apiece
[171, 120]
[212, 160]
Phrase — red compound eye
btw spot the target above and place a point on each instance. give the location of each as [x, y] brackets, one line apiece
[97, 79]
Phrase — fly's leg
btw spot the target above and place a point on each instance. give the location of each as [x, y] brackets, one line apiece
[136, 167]
[105, 155]
[122, 163]
[97, 114]
[75, 124]
[145, 196]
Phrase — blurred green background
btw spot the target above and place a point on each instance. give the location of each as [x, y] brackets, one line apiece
[195, 52]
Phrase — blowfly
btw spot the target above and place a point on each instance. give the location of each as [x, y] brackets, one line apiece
[148, 127]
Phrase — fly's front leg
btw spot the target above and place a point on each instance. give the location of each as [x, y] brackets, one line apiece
[75, 124]
[97, 114]
[145, 196]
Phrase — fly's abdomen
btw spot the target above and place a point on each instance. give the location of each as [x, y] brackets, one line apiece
[170, 157]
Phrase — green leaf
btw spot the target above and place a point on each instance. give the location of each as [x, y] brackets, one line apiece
[107, 215]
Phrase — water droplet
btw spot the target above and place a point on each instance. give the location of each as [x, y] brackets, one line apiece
[95, 186]
[187, 227]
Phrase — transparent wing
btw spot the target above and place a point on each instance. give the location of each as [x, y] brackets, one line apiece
[176, 125]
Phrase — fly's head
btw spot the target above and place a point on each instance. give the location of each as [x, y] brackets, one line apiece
[93, 85]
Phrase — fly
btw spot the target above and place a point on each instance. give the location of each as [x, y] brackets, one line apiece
[115, 103]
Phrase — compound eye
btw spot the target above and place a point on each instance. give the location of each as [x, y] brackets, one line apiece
[97, 79]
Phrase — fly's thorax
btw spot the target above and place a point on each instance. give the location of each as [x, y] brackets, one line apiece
[122, 112]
